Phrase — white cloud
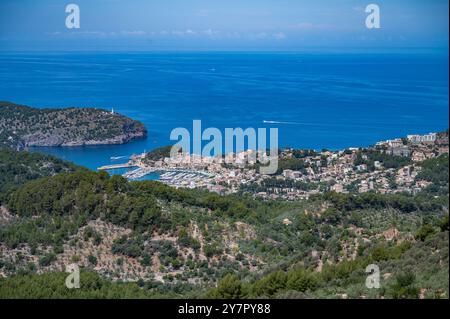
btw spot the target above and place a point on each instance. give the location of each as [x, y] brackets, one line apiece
[210, 32]
[99, 34]
[140, 32]
[266, 36]
[187, 33]
[177, 32]
[191, 33]
[310, 26]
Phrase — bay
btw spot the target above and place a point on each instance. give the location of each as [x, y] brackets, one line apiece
[317, 100]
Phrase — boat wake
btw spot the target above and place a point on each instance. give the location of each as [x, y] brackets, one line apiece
[115, 158]
[281, 122]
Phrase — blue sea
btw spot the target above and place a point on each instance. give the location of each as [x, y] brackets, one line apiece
[317, 100]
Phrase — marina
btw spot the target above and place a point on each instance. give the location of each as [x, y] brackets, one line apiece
[168, 175]
[178, 177]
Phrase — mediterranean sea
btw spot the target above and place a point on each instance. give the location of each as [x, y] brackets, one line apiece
[317, 100]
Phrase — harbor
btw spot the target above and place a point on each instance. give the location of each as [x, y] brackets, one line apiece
[174, 176]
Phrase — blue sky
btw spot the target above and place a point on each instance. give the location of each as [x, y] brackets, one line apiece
[221, 24]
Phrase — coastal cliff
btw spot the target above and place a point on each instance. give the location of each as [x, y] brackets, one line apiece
[22, 126]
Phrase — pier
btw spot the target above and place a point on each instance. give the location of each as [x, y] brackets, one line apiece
[116, 166]
[139, 172]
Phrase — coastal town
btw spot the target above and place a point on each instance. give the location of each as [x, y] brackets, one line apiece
[388, 167]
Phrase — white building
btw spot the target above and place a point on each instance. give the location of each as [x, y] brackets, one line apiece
[428, 138]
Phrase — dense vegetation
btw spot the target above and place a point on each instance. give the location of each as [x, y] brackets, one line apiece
[401, 202]
[17, 168]
[213, 246]
[411, 269]
[52, 285]
[274, 182]
[94, 195]
[408, 268]
[435, 170]
[295, 164]
[369, 157]
[159, 153]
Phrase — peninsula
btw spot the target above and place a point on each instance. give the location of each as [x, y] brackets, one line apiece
[23, 126]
